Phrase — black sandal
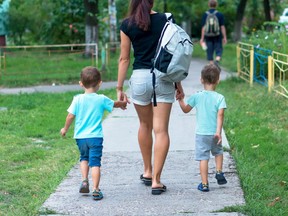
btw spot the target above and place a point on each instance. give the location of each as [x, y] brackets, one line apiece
[146, 181]
[159, 190]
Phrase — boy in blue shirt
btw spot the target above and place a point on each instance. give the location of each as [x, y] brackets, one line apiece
[87, 109]
[210, 107]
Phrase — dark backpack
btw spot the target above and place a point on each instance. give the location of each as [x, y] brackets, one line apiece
[211, 28]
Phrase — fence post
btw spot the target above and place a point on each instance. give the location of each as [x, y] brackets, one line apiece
[270, 75]
[251, 66]
[238, 60]
[96, 55]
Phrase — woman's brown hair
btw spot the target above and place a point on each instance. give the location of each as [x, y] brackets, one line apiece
[139, 13]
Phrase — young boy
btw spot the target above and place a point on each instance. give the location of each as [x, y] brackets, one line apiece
[210, 107]
[87, 109]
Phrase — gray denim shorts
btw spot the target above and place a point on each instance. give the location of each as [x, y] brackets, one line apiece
[142, 90]
[206, 144]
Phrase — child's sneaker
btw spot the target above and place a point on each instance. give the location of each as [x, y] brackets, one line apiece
[220, 178]
[97, 195]
[84, 187]
[203, 187]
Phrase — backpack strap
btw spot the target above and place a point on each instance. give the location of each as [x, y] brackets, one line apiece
[169, 16]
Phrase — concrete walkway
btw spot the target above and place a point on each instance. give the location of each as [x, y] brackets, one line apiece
[124, 194]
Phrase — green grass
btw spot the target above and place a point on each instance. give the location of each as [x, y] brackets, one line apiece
[30, 68]
[256, 127]
[34, 158]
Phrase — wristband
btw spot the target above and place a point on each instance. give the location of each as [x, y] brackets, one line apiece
[119, 88]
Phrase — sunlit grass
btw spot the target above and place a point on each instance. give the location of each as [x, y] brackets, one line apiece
[34, 158]
[256, 127]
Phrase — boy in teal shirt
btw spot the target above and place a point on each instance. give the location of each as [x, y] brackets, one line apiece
[87, 109]
[210, 107]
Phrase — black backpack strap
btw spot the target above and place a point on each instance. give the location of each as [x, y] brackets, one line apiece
[169, 17]
[154, 84]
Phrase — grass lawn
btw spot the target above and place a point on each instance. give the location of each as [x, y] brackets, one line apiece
[256, 126]
[30, 68]
[34, 158]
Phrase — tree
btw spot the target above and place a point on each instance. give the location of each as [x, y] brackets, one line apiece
[238, 21]
[267, 10]
[91, 23]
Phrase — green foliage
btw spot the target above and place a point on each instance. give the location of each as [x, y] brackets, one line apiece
[274, 38]
[63, 21]
[34, 157]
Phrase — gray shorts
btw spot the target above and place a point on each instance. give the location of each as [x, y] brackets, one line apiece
[206, 144]
[142, 90]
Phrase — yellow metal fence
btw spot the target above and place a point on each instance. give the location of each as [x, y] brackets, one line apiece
[277, 75]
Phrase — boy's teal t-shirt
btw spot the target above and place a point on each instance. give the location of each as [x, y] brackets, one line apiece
[207, 104]
[88, 110]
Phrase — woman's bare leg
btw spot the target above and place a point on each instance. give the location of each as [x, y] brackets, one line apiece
[161, 115]
[145, 115]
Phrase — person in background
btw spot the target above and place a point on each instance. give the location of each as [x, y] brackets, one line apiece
[210, 107]
[87, 109]
[141, 30]
[213, 33]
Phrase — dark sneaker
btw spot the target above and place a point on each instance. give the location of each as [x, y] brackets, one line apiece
[97, 195]
[203, 187]
[84, 187]
[220, 178]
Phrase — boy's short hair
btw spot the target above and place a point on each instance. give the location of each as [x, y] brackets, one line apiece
[210, 74]
[212, 3]
[90, 77]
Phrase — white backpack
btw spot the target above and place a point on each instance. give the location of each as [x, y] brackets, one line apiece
[173, 54]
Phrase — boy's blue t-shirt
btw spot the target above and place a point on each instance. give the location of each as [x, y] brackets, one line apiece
[207, 104]
[89, 110]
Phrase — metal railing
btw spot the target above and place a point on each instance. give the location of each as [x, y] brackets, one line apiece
[245, 63]
[263, 66]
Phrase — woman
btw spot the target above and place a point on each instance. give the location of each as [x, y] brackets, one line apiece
[142, 29]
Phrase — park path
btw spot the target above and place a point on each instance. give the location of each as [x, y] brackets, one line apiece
[122, 165]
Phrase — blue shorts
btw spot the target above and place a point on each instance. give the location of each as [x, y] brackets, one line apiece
[142, 89]
[214, 44]
[90, 150]
[206, 144]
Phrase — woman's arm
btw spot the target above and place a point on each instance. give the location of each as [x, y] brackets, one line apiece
[123, 65]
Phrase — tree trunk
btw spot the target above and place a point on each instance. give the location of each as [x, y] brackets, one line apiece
[267, 9]
[266, 4]
[238, 21]
[91, 25]
[112, 20]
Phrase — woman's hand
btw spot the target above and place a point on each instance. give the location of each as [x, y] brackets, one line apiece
[121, 96]
[179, 91]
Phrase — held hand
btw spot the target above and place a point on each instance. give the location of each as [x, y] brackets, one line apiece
[121, 96]
[218, 137]
[63, 132]
[179, 92]
[124, 105]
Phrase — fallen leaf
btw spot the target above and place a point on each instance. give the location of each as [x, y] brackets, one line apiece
[274, 201]
[255, 146]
